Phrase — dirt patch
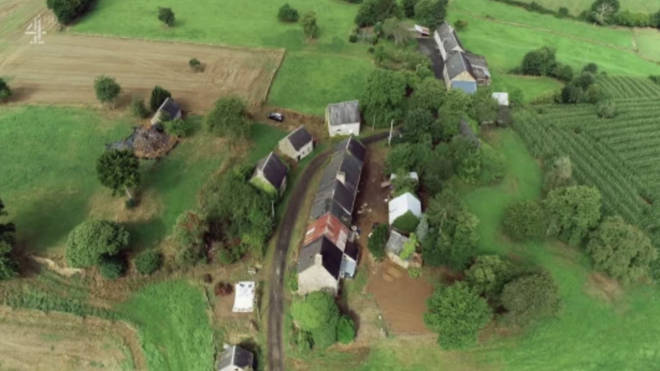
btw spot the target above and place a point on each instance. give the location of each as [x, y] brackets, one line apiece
[293, 119]
[602, 287]
[63, 69]
[103, 205]
[33, 340]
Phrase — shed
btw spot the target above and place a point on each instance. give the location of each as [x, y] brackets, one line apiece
[403, 204]
[243, 297]
[343, 118]
[298, 144]
[502, 98]
[235, 358]
[168, 110]
[270, 175]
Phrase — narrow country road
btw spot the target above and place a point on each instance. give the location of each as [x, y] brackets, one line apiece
[275, 310]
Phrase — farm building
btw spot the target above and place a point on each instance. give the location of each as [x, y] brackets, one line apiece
[404, 204]
[329, 226]
[235, 358]
[395, 246]
[319, 267]
[343, 118]
[270, 175]
[168, 110]
[298, 144]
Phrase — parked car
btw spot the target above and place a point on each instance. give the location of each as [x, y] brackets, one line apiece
[276, 116]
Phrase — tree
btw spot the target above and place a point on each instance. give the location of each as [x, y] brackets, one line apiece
[374, 11]
[111, 267]
[562, 72]
[456, 313]
[606, 109]
[287, 13]
[138, 108]
[406, 223]
[67, 11]
[5, 91]
[571, 212]
[571, 93]
[310, 27]
[166, 15]
[195, 65]
[466, 157]
[92, 239]
[428, 94]
[118, 170]
[377, 241]
[148, 261]
[529, 298]
[106, 88]
[591, 68]
[318, 314]
[558, 174]
[345, 330]
[437, 168]
[419, 123]
[396, 30]
[158, 96]
[602, 11]
[8, 266]
[406, 156]
[431, 13]
[539, 62]
[409, 7]
[621, 250]
[488, 275]
[228, 118]
[383, 98]
[189, 232]
[177, 127]
[485, 108]
[524, 220]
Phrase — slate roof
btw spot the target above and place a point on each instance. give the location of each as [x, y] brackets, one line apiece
[352, 250]
[456, 64]
[344, 112]
[354, 147]
[299, 138]
[478, 65]
[273, 168]
[343, 163]
[170, 107]
[330, 254]
[236, 356]
[448, 37]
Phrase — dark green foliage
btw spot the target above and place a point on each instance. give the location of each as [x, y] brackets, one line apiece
[655, 79]
[7, 241]
[431, 13]
[158, 96]
[621, 250]
[409, 7]
[228, 118]
[539, 62]
[529, 298]
[558, 174]
[571, 93]
[353, 38]
[118, 170]
[345, 330]
[377, 241]
[488, 275]
[112, 267]
[106, 89]
[291, 281]
[310, 27]
[571, 212]
[5, 91]
[406, 223]
[189, 232]
[92, 239]
[449, 120]
[287, 13]
[178, 127]
[562, 72]
[383, 98]
[466, 157]
[584, 80]
[428, 94]
[457, 313]
[591, 68]
[166, 15]
[563, 12]
[67, 11]
[631, 19]
[484, 107]
[406, 156]
[318, 314]
[437, 169]
[149, 261]
[606, 109]
[373, 11]
[195, 65]
[524, 220]
[603, 11]
[419, 124]
[138, 108]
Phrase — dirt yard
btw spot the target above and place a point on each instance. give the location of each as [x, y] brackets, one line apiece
[63, 69]
[33, 340]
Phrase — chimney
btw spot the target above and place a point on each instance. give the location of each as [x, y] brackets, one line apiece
[318, 259]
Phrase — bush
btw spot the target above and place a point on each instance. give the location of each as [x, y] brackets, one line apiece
[228, 118]
[571, 212]
[291, 281]
[539, 62]
[166, 15]
[158, 96]
[112, 267]
[524, 220]
[374, 11]
[92, 239]
[345, 330]
[406, 223]
[353, 38]
[488, 275]
[591, 68]
[530, 298]
[318, 314]
[5, 91]
[558, 174]
[414, 272]
[149, 261]
[655, 79]
[106, 89]
[196, 65]
[563, 12]
[606, 109]
[378, 240]
[67, 11]
[431, 13]
[177, 127]
[409, 7]
[189, 232]
[310, 27]
[287, 14]
[562, 72]
[138, 108]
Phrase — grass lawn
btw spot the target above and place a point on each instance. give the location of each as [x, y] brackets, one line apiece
[577, 6]
[313, 74]
[173, 325]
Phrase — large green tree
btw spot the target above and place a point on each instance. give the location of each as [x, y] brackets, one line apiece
[158, 96]
[621, 250]
[118, 170]
[166, 15]
[457, 313]
[383, 98]
[374, 11]
[310, 26]
[428, 94]
[67, 11]
[488, 275]
[529, 298]
[524, 220]
[5, 91]
[571, 212]
[93, 239]
[228, 118]
[318, 314]
[7, 242]
[431, 13]
[106, 88]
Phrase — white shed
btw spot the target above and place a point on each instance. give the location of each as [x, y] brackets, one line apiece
[244, 297]
[502, 98]
[407, 202]
[343, 118]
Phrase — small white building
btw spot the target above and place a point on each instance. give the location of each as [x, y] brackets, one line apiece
[502, 98]
[343, 118]
[235, 358]
[298, 144]
[404, 204]
[412, 175]
[244, 297]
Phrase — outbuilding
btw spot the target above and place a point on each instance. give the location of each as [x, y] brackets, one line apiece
[168, 110]
[343, 118]
[404, 204]
[270, 175]
[235, 358]
[298, 144]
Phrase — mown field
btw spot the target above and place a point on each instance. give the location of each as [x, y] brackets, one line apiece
[313, 74]
[620, 156]
[504, 33]
[575, 7]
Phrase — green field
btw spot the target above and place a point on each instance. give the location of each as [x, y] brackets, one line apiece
[504, 33]
[575, 7]
[313, 74]
[173, 325]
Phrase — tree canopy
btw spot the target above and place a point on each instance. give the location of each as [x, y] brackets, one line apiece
[118, 170]
[166, 15]
[374, 11]
[158, 96]
[7, 241]
[189, 232]
[431, 13]
[287, 13]
[310, 26]
[106, 88]
[428, 94]
[571, 212]
[318, 314]
[621, 250]
[5, 91]
[377, 241]
[456, 313]
[228, 118]
[488, 275]
[524, 220]
[529, 298]
[383, 98]
[92, 239]
[67, 11]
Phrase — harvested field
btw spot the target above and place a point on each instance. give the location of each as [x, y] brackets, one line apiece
[63, 69]
[33, 340]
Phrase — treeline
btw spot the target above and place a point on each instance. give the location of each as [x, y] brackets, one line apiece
[68, 11]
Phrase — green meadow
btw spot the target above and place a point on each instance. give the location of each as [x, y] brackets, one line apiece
[313, 73]
[575, 7]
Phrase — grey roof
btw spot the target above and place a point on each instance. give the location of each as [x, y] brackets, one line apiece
[352, 250]
[344, 112]
[236, 356]
[299, 137]
[273, 168]
[448, 36]
[170, 107]
[395, 242]
[429, 48]
[343, 163]
[322, 206]
[456, 64]
[354, 147]
[479, 66]
[331, 256]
